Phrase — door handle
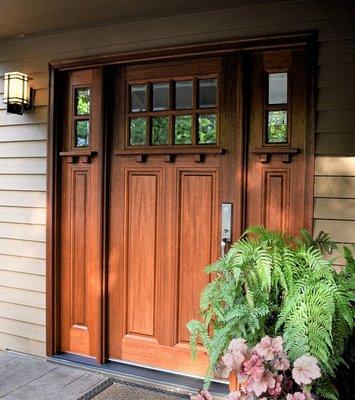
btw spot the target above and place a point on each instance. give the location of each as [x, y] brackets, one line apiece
[226, 226]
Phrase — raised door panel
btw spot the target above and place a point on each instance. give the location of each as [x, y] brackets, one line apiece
[141, 225]
[197, 239]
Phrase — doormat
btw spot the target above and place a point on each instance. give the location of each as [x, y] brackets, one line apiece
[116, 389]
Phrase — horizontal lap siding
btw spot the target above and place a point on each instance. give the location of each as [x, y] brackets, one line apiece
[23, 138]
[22, 224]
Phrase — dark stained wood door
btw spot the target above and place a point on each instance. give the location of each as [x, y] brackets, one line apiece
[80, 216]
[165, 215]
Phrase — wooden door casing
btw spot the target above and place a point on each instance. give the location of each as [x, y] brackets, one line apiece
[81, 219]
[164, 228]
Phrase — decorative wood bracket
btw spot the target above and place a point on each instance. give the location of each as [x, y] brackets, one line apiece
[83, 156]
[170, 153]
[266, 152]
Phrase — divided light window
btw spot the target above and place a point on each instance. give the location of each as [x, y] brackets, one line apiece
[173, 112]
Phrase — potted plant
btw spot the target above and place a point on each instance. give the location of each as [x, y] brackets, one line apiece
[271, 284]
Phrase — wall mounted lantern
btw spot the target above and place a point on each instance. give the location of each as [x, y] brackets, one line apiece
[17, 93]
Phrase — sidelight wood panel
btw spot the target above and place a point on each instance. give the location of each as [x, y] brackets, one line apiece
[81, 218]
[275, 199]
[279, 191]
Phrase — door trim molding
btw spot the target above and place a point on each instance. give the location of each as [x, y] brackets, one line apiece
[225, 47]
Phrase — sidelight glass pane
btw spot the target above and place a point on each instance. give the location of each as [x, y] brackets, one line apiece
[138, 98]
[277, 127]
[82, 128]
[82, 101]
[278, 88]
[160, 130]
[138, 131]
[207, 93]
[207, 129]
[183, 129]
[183, 95]
[161, 95]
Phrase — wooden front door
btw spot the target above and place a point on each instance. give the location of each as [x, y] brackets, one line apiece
[137, 231]
[173, 163]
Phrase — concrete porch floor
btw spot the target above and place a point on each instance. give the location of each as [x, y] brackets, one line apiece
[26, 377]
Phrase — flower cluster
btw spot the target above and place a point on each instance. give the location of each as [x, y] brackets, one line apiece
[264, 372]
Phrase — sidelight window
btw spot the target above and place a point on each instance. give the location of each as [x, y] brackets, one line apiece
[82, 106]
[277, 108]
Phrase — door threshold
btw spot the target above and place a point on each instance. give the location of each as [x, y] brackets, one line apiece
[183, 383]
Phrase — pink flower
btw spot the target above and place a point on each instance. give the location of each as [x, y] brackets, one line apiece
[305, 370]
[203, 395]
[296, 396]
[221, 371]
[269, 348]
[307, 395]
[254, 367]
[238, 345]
[277, 389]
[281, 363]
[235, 354]
[261, 385]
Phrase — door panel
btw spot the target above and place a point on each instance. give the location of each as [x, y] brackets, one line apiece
[81, 239]
[197, 241]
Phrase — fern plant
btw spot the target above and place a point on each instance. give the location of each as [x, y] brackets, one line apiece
[272, 284]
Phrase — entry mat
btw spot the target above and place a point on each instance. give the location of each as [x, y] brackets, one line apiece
[116, 389]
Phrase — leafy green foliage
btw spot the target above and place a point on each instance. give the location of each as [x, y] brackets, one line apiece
[270, 284]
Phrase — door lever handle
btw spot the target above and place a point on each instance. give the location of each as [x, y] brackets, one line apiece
[223, 247]
[226, 228]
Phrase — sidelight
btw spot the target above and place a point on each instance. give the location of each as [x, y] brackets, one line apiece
[81, 116]
[277, 127]
[278, 88]
[276, 108]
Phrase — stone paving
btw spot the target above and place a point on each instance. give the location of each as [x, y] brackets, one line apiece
[25, 377]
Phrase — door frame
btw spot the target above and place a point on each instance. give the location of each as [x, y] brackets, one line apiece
[305, 40]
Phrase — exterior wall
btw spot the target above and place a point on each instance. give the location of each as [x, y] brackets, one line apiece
[23, 138]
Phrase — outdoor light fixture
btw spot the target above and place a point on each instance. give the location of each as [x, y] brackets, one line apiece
[17, 93]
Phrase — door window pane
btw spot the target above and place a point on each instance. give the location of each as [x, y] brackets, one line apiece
[278, 88]
[207, 129]
[183, 129]
[82, 101]
[138, 98]
[183, 95]
[138, 131]
[277, 127]
[160, 127]
[207, 93]
[82, 128]
[161, 95]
